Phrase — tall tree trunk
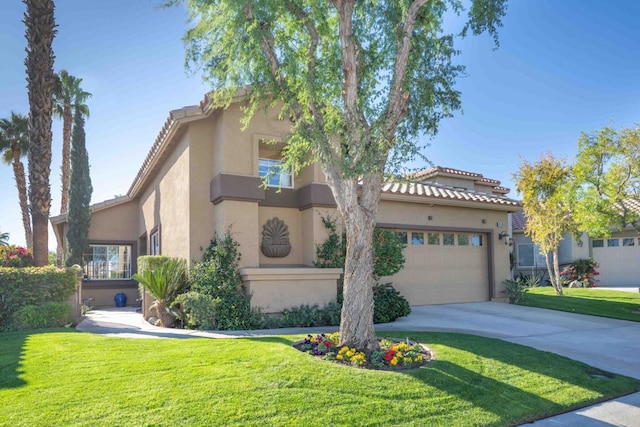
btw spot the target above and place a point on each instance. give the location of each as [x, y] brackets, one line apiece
[553, 269]
[40, 31]
[67, 119]
[358, 205]
[356, 323]
[21, 184]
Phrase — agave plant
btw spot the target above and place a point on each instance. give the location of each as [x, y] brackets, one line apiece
[165, 284]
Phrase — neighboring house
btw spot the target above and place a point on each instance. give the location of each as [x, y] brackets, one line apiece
[618, 256]
[203, 176]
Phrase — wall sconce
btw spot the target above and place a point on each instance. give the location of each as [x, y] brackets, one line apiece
[430, 218]
[504, 236]
[484, 221]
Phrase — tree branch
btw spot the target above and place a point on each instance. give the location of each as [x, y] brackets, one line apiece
[397, 100]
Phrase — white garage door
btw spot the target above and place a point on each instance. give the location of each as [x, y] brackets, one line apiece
[443, 267]
[619, 260]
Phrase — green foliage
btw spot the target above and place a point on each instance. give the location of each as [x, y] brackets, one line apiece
[548, 200]
[15, 256]
[332, 252]
[582, 270]
[389, 256]
[80, 190]
[218, 279]
[165, 282]
[389, 304]
[4, 239]
[607, 174]
[149, 262]
[516, 289]
[48, 315]
[20, 287]
[199, 310]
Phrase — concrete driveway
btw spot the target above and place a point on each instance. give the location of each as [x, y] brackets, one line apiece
[610, 344]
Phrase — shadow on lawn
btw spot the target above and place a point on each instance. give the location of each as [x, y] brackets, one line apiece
[12, 352]
[523, 357]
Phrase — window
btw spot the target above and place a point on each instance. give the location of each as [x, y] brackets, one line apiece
[154, 246]
[276, 175]
[525, 255]
[476, 240]
[433, 238]
[402, 235]
[447, 239]
[599, 243]
[105, 262]
[463, 239]
[629, 242]
[613, 243]
[417, 238]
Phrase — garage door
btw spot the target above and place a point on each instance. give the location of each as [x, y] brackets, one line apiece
[443, 267]
[619, 260]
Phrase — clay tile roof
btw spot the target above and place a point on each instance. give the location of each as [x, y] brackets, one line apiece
[441, 192]
[444, 170]
[518, 221]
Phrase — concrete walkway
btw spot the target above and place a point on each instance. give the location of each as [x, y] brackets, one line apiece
[608, 344]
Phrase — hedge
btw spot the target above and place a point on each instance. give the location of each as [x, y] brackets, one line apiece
[20, 287]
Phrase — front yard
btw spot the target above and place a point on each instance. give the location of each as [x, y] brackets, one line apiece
[62, 377]
[596, 302]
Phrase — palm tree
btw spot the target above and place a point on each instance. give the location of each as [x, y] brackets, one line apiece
[40, 30]
[4, 239]
[68, 97]
[14, 144]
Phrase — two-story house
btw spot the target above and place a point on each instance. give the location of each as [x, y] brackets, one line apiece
[204, 175]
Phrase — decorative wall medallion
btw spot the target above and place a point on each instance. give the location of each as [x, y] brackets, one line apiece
[275, 239]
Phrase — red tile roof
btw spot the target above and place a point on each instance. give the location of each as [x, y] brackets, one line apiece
[442, 192]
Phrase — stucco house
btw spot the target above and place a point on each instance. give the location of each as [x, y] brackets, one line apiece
[618, 255]
[204, 175]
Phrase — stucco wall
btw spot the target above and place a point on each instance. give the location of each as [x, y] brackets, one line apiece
[116, 223]
[165, 202]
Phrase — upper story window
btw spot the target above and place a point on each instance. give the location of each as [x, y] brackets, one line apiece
[105, 262]
[275, 173]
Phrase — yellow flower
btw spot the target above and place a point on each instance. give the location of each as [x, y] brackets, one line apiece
[339, 357]
[350, 353]
[394, 361]
[399, 354]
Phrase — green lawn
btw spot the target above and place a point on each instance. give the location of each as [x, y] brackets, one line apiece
[64, 377]
[593, 301]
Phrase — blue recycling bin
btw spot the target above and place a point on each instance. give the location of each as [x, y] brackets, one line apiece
[120, 299]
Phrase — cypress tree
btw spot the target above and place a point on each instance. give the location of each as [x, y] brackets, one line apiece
[80, 189]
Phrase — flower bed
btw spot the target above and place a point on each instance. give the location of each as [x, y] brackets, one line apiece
[392, 355]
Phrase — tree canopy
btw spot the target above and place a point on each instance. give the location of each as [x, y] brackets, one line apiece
[607, 173]
[359, 81]
[548, 199]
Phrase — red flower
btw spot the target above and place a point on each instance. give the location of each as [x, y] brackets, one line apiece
[389, 355]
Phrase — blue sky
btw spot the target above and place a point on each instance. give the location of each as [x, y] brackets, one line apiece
[563, 67]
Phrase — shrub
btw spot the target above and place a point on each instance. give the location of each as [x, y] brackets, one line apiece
[309, 316]
[516, 289]
[20, 287]
[199, 311]
[165, 283]
[582, 270]
[389, 304]
[149, 262]
[217, 276]
[389, 257]
[15, 256]
[48, 315]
